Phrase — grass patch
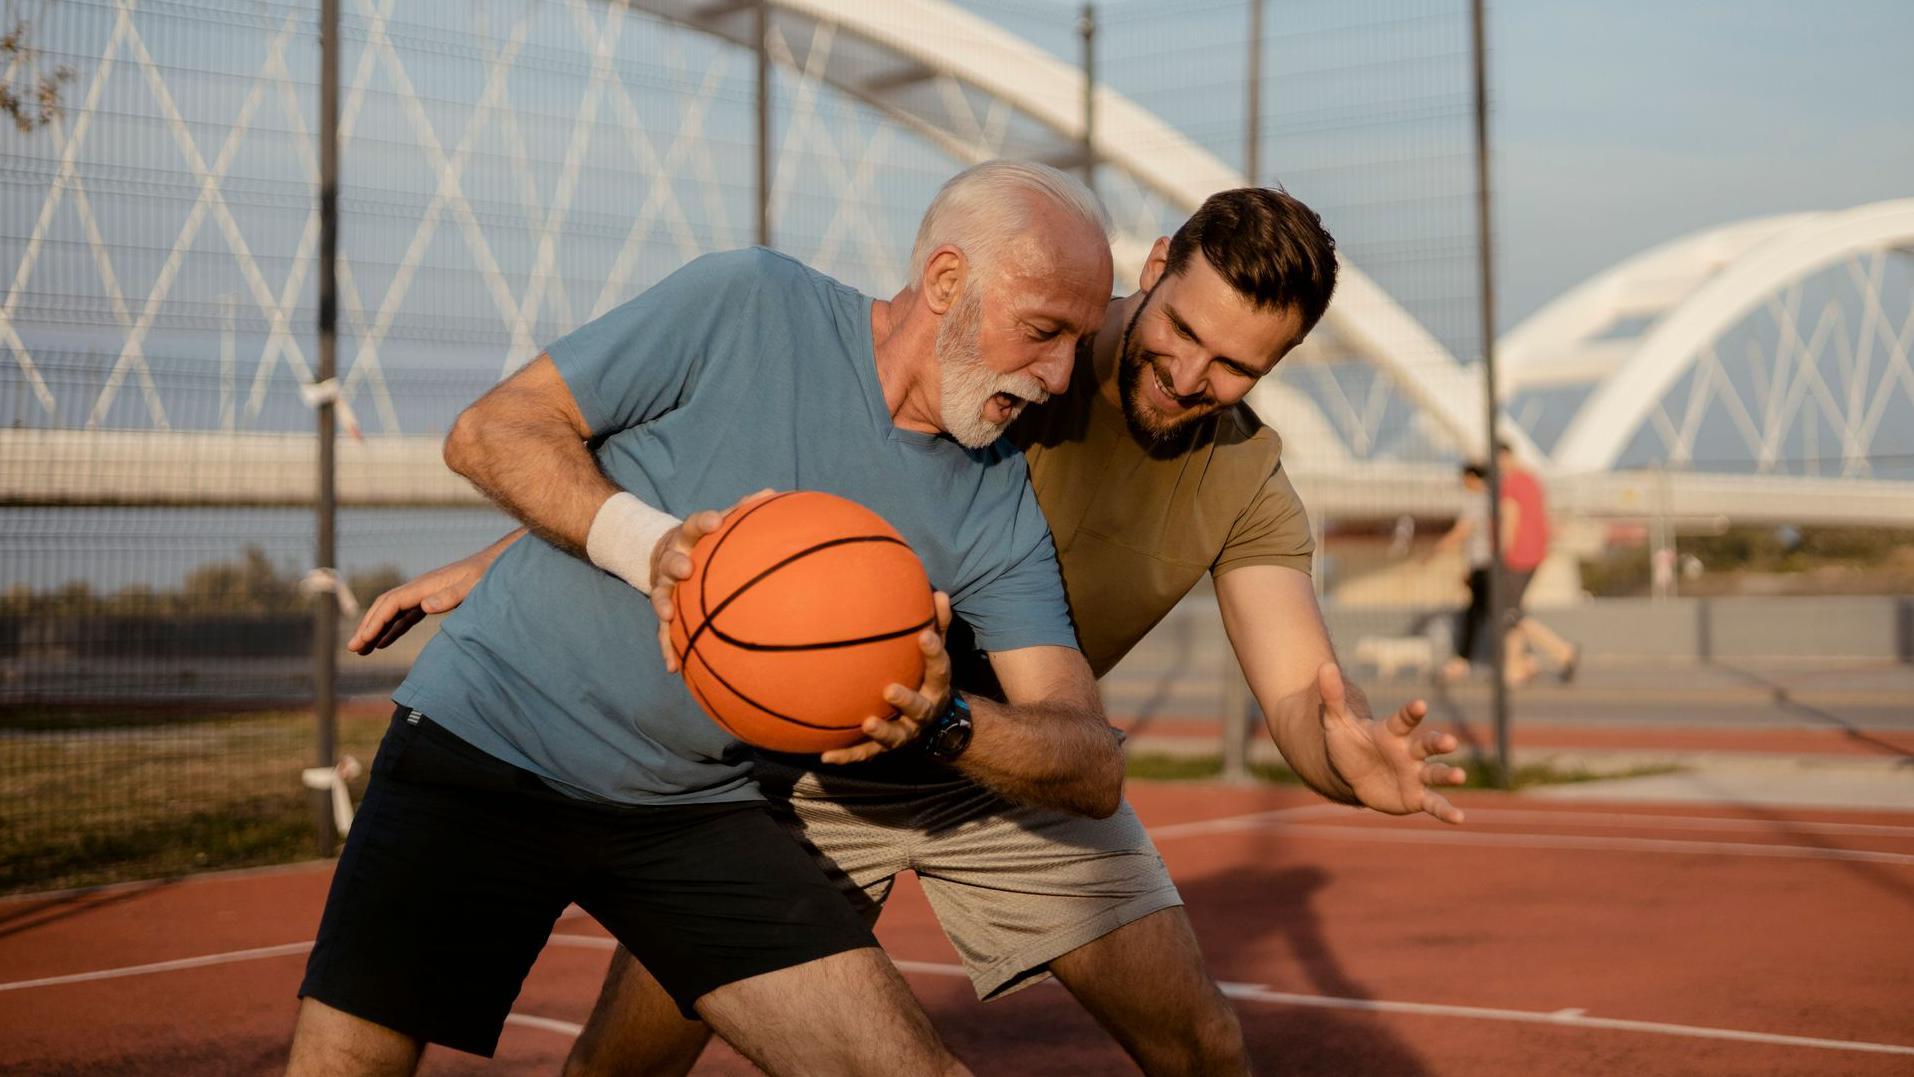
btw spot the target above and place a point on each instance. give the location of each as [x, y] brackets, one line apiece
[99, 797]
[1481, 772]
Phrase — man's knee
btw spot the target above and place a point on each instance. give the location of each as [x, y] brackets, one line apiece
[635, 1030]
[1214, 1041]
[849, 1013]
[332, 1043]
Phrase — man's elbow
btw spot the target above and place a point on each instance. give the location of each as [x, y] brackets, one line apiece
[463, 447]
[1102, 791]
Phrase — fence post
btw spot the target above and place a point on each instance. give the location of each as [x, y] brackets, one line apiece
[1087, 27]
[325, 646]
[1253, 108]
[762, 23]
[1485, 258]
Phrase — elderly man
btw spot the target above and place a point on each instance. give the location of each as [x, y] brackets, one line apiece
[1151, 473]
[539, 758]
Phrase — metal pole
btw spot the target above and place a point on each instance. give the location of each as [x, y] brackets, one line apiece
[1485, 259]
[763, 28]
[325, 647]
[1236, 724]
[1253, 123]
[1087, 27]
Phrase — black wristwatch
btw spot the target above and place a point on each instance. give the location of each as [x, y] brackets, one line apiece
[948, 734]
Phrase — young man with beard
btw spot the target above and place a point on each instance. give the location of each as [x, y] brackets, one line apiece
[543, 753]
[1151, 473]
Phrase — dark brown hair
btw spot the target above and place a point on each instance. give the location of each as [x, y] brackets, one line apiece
[1269, 246]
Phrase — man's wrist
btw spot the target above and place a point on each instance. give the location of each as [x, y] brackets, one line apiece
[1338, 788]
[625, 536]
[948, 732]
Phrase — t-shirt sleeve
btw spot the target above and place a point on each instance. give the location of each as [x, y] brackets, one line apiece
[1020, 604]
[1273, 530]
[642, 359]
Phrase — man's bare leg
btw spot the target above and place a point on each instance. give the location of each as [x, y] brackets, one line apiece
[331, 1043]
[635, 1030]
[1146, 985]
[849, 1013]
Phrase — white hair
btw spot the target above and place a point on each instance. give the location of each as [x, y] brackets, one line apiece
[981, 209]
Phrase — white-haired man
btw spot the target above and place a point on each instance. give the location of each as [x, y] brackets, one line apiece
[538, 758]
[1151, 474]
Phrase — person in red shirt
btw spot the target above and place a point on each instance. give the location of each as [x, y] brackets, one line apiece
[1525, 534]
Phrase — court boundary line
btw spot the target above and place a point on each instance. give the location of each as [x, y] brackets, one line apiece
[1253, 992]
[1595, 843]
[1655, 821]
[228, 957]
[1276, 819]
[1571, 1017]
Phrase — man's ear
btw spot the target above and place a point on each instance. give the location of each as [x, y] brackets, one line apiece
[944, 274]
[1155, 265]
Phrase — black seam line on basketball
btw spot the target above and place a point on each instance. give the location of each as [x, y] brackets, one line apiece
[729, 687]
[828, 645]
[704, 601]
[712, 615]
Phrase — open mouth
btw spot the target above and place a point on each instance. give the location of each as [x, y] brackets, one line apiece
[1165, 389]
[1006, 406]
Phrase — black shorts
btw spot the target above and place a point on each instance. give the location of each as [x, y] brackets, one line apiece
[458, 864]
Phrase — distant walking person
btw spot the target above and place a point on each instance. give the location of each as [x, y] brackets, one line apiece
[1471, 534]
[1525, 533]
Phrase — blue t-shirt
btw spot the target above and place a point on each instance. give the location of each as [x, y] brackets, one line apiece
[741, 371]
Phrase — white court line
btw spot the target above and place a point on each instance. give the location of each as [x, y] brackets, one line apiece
[1275, 820]
[1603, 844]
[1573, 1017]
[549, 1024]
[1254, 992]
[226, 958]
[1246, 822]
[1683, 822]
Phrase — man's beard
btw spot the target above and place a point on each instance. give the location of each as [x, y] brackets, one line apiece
[966, 384]
[1146, 424]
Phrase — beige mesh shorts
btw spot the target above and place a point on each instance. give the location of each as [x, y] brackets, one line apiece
[1013, 887]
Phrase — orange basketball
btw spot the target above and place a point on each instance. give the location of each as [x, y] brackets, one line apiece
[798, 613]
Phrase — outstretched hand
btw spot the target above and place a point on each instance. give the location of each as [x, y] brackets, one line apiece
[914, 708]
[1387, 762]
[393, 613]
[671, 566]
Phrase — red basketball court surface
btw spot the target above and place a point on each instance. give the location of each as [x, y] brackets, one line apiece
[1542, 937]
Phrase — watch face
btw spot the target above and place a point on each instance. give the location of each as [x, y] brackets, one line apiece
[951, 740]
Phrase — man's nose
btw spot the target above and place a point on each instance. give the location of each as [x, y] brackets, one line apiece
[1188, 375]
[1053, 370]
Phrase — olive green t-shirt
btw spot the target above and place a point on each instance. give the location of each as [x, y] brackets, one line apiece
[1135, 529]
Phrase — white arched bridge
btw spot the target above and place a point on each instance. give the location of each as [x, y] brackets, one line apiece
[517, 170]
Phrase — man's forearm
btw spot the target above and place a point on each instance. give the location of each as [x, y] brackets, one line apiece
[1053, 755]
[1296, 725]
[537, 469]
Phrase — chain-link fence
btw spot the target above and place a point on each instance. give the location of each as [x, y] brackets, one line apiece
[509, 172]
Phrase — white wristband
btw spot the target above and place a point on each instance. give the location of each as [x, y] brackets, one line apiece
[623, 536]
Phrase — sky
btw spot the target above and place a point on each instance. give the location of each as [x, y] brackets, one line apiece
[1616, 124]
[1624, 123]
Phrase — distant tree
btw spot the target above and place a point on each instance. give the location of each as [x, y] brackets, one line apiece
[251, 585]
[34, 101]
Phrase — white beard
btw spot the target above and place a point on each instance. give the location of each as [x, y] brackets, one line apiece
[966, 384]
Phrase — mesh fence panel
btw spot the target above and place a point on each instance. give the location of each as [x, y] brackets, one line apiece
[512, 170]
